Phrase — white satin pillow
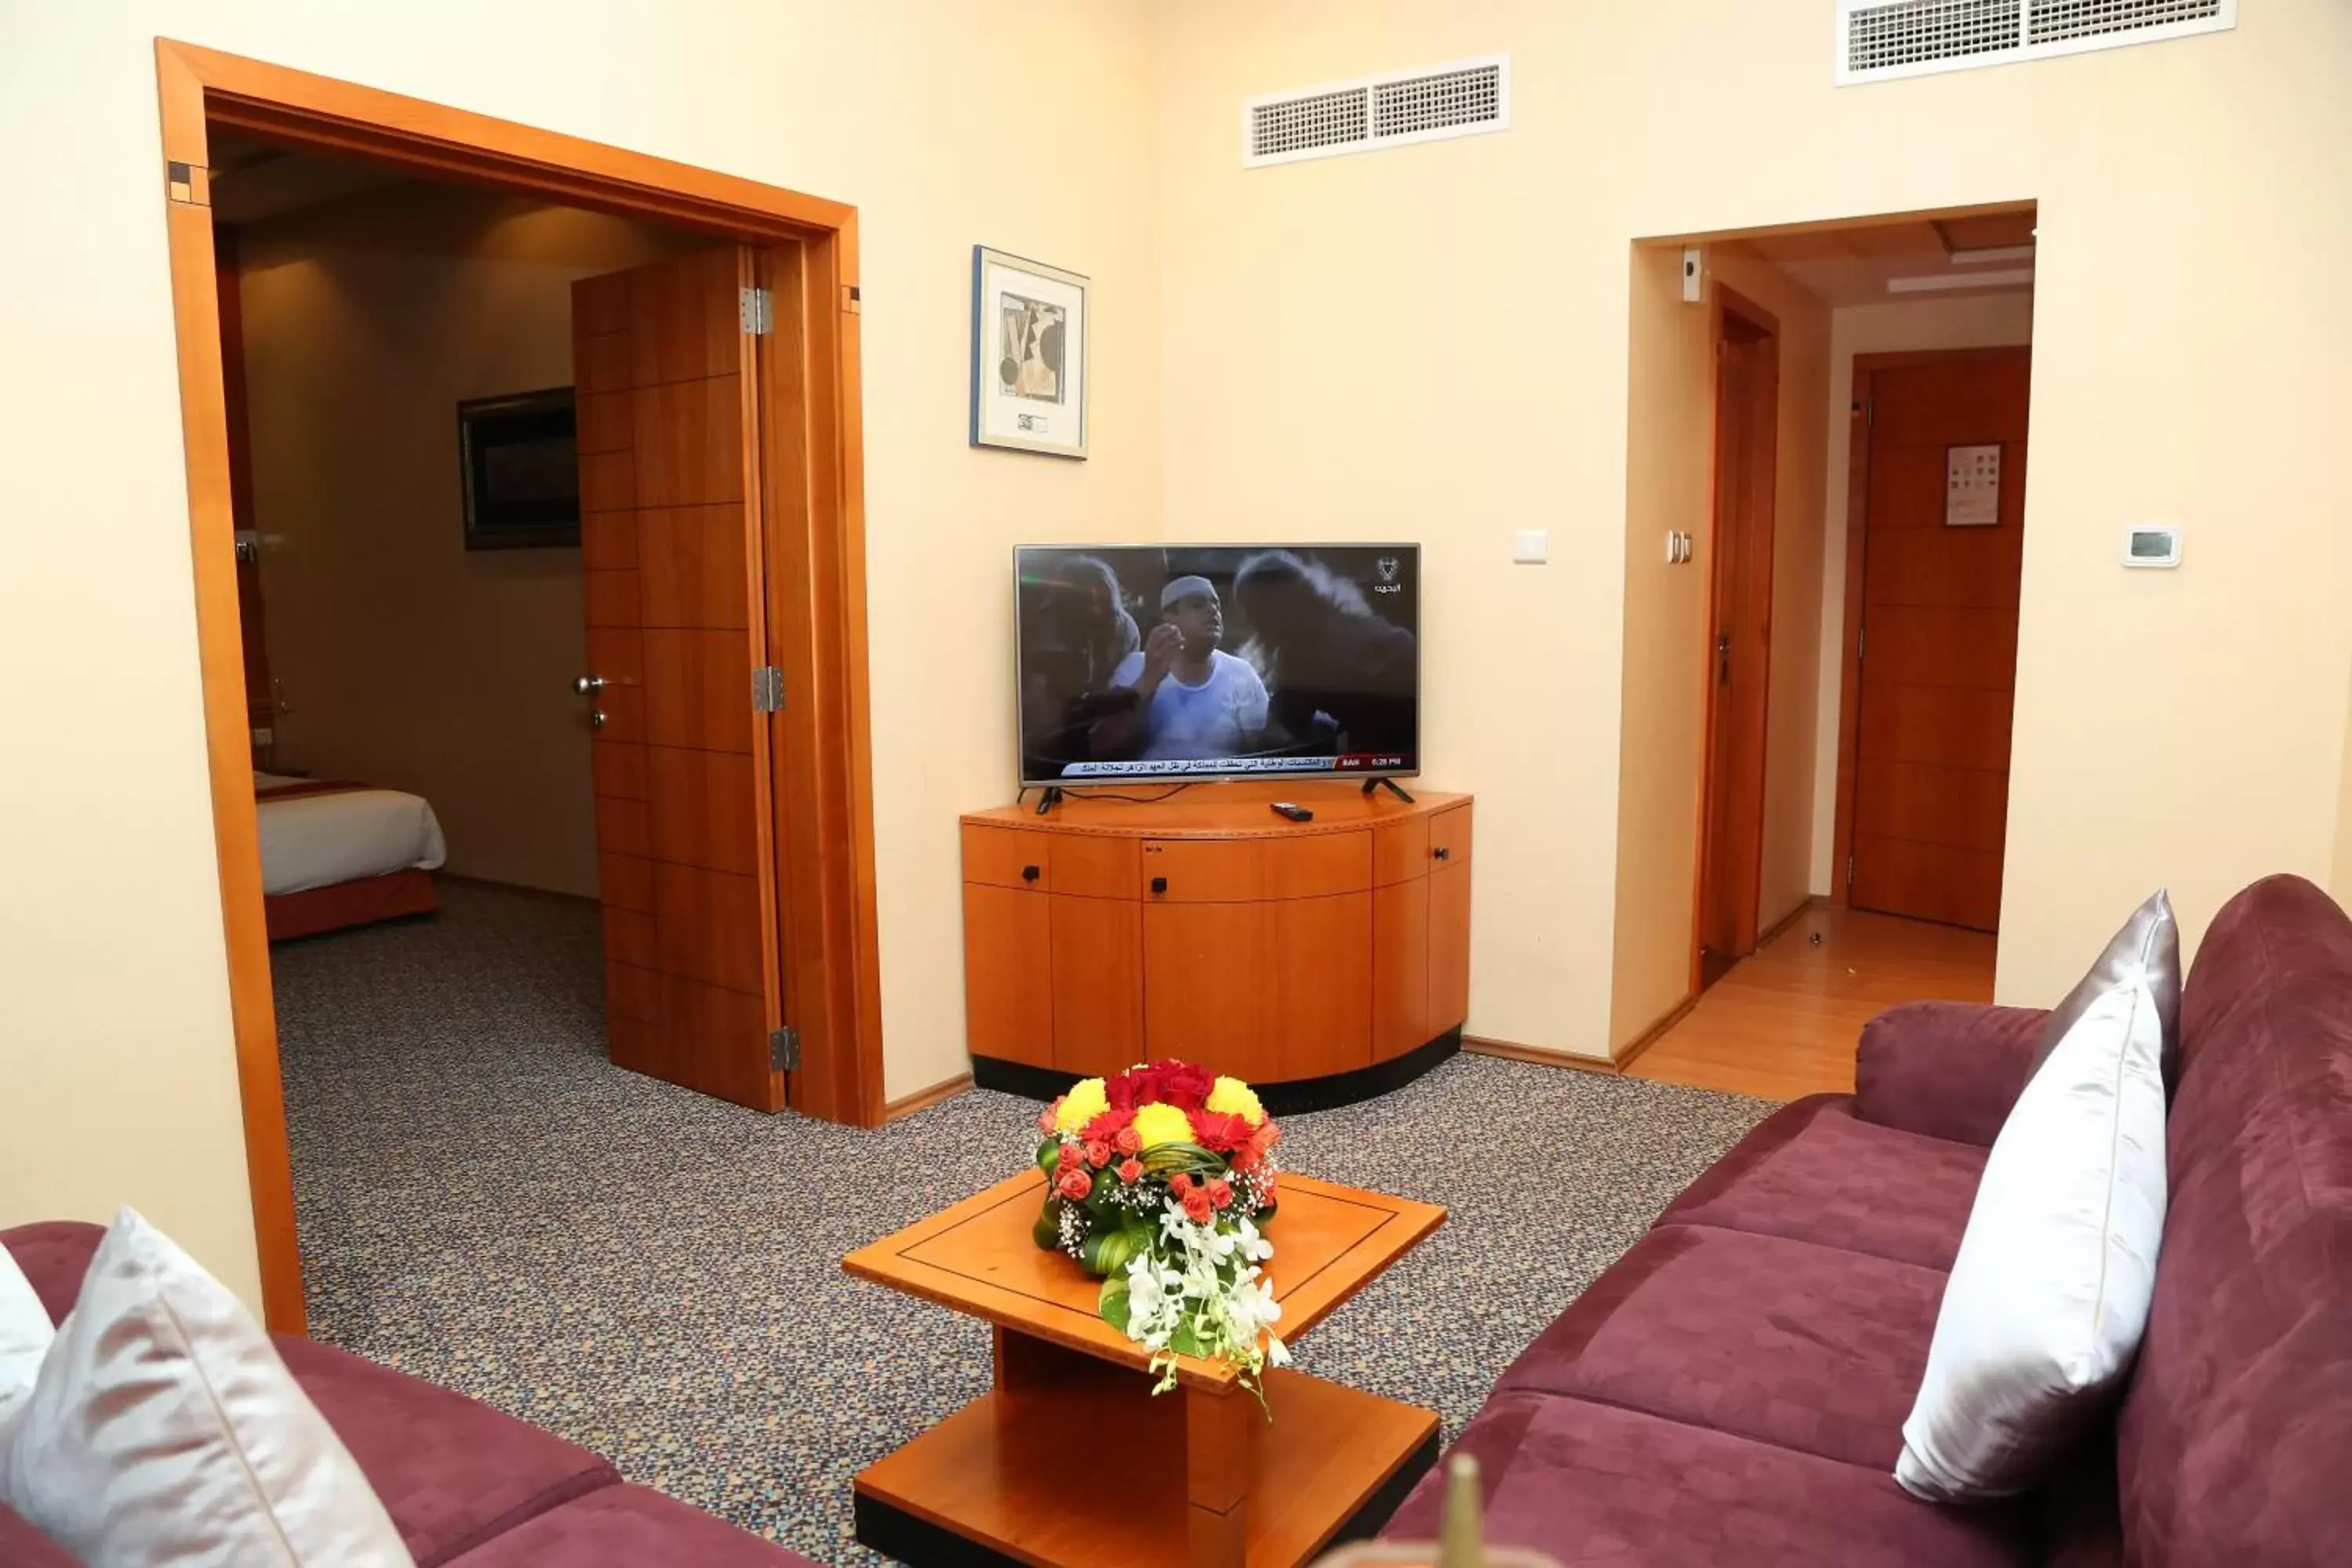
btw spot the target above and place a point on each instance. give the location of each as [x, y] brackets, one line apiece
[24, 1337]
[164, 1430]
[2049, 1296]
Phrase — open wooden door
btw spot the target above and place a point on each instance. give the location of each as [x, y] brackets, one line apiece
[1731, 826]
[666, 375]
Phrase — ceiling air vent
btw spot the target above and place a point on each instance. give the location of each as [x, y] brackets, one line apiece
[1425, 105]
[1880, 39]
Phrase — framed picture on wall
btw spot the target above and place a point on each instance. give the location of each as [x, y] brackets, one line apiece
[520, 464]
[1028, 355]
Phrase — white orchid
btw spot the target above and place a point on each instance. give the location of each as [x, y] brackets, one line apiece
[1202, 1282]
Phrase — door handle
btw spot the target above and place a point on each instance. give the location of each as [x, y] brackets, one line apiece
[1028, 873]
[1443, 853]
[587, 685]
[1159, 884]
[596, 720]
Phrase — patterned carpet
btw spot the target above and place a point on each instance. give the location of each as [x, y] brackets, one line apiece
[487, 1202]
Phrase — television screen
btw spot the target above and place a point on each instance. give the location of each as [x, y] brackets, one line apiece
[1186, 662]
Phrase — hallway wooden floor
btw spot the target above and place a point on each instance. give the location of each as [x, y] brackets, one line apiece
[1783, 1023]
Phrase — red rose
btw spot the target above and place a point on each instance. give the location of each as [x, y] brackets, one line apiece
[1184, 1085]
[1179, 1185]
[1069, 1156]
[1220, 1191]
[1196, 1207]
[1125, 1092]
[1128, 1141]
[1130, 1171]
[1045, 1118]
[1075, 1184]
[1097, 1153]
[1219, 1131]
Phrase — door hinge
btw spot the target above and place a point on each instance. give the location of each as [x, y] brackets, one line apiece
[1849, 870]
[757, 313]
[849, 302]
[190, 185]
[1869, 412]
[1861, 641]
[767, 689]
[784, 1048]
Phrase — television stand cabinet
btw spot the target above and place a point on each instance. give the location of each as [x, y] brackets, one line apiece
[1325, 962]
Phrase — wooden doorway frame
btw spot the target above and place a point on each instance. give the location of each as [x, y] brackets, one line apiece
[814, 538]
[1725, 304]
[1857, 527]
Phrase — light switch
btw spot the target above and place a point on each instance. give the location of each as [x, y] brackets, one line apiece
[1531, 546]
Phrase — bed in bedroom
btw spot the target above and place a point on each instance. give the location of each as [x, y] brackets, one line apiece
[336, 855]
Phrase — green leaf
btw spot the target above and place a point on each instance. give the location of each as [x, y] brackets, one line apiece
[1106, 1251]
[1114, 1302]
[1184, 1341]
[1049, 1155]
[1047, 1231]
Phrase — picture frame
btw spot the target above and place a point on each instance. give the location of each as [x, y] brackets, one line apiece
[518, 471]
[1029, 329]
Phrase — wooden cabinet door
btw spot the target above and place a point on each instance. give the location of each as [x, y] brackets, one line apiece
[1098, 984]
[1008, 978]
[1449, 946]
[668, 531]
[1203, 969]
[1317, 986]
[1400, 1015]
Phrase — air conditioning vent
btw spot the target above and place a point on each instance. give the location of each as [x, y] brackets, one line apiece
[1880, 39]
[1424, 105]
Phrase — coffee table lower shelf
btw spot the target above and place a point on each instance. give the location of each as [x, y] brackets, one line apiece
[1089, 1468]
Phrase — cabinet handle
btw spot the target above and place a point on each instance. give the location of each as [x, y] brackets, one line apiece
[1159, 884]
[1443, 853]
[1028, 873]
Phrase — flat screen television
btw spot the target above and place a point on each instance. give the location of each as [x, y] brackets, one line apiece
[1177, 662]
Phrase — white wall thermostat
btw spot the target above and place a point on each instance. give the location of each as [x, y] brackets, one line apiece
[2151, 545]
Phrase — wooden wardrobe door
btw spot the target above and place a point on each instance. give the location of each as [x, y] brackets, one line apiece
[669, 531]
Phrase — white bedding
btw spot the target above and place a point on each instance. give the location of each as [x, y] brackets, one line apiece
[315, 840]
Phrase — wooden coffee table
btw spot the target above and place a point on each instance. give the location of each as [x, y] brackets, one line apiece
[1071, 1459]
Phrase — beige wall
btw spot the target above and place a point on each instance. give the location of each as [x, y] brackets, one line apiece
[945, 125]
[406, 659]
[1448, 357]
[1670, 455]
[1983, 321]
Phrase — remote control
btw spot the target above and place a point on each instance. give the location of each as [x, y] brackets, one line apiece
[1295, 812]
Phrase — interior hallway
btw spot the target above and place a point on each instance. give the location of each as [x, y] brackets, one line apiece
[1784, 1021]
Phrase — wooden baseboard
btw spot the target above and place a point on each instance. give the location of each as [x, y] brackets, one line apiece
[1510, 1050]
[924, 1098]
[1655, 1032]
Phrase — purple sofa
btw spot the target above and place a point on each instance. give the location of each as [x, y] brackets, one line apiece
[464, 1483]
[1732, 1391]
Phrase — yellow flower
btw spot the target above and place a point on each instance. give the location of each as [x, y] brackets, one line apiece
[1160, 1125]
[1085, 1102]
[1231, 1097]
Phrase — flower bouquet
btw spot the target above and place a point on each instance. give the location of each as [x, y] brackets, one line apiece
[1158, 1180]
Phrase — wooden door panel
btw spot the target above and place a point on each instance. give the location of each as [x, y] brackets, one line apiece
[1449, 835]
[620, 771]
[690, 563]
[709, 925]
[1401, 1015]
[1449, 948]
[697, 689]
[1009, 858]
[1945, 567]
[1400, 850]
[702, 807]
[1104, 867]
[1008, 990]
[658, 361]
[684, 318]
[1927, 881]
[688, 438]
[1097, 982]
[1941, 645]
[1938, 667]
[1317, 982]
[1953, 726]
[1202, 973]
[1965, 808]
